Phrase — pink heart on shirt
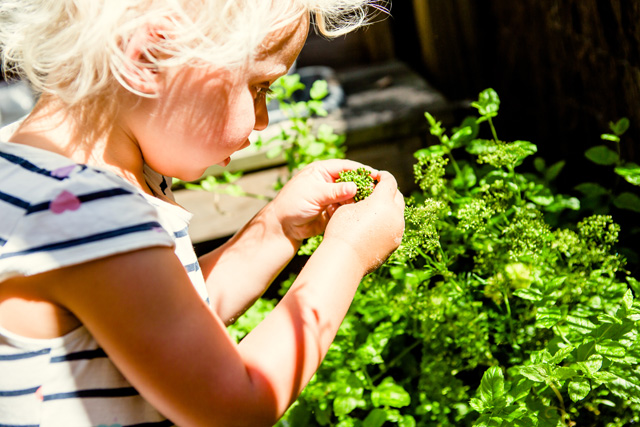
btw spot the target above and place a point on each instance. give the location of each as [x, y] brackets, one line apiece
[64, 202]
[63, 172]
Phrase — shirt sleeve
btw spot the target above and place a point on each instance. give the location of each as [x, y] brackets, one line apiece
[91, 214]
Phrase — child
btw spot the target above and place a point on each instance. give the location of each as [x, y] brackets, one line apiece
[106, 316]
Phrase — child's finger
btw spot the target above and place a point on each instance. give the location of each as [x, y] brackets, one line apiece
[334, 193]
[386, 183]
[334, 166]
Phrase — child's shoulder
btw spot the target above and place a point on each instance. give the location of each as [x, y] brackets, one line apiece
[56, 212]
[39, 182]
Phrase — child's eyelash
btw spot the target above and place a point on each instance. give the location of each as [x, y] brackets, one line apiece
[265, 91]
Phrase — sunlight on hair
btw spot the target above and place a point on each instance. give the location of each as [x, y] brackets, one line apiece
[75, 49]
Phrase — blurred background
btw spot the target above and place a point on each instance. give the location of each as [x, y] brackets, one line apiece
[563, 68]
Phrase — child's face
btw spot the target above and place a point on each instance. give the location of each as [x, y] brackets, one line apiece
[204, 114]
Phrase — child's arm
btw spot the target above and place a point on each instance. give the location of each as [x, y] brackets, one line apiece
[176, 352]
[269, 241]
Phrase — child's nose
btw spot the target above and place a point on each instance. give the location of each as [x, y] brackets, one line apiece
[262, 116]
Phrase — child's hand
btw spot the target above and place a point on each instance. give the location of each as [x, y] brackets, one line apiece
[374, 226]
[307, 202]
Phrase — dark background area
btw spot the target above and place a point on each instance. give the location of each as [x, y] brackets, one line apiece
[563, 68]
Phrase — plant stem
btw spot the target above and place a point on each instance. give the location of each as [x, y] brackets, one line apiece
[493, 130]
[396, 359]
[510, 322]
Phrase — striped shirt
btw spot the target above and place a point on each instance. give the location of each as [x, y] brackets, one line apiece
[56, 213]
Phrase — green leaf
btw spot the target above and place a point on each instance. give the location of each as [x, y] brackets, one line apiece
[525, 148]
[326, 133]
[521, 390]
[234, 190]
[561, 354]
[602, 155]
[407, 421]
[466, 178]
[315, 149]
[388, 393]
[610, 137]
[533, 372]
[627, 387]
[529, 294]
[481, 146]
[546, 317]
[348, 422]
[605, 377]
[627, 201]
[343, 405]
[580, 324]
[488, 421]
[323, 413]
[579, 389]
[319, 90]
[619, 127]
[274, 152]
[630, 172]
[564, 373]
[315, 107]
[607, 318]
[540, 356]
[491, 391]
[634, 284]
[591, 365]
[434, 150]
[627, 300]
[554, 170]
[610, 348]
[561, 203]
[542, 196]
[461, 136]
[591, 189]
[432, 121]
[376, 418]
[488, 103]
[477, 404]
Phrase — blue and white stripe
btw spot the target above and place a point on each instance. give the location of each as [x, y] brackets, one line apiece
[70, 381]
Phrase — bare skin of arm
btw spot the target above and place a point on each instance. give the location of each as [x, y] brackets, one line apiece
[312, 197]
[176, 351]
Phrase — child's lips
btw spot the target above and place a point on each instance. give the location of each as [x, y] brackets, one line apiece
[226, 161]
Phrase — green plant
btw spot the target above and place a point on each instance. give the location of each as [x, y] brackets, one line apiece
[496, 310]
[363, 180]
[299, 142]
[226, 183]
[599, 198]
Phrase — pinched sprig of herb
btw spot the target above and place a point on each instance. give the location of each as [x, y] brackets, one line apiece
[363, 180]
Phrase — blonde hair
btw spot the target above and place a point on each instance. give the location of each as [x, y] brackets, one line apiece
[75, 49]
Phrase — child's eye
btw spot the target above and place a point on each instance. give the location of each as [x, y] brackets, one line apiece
[263, 92]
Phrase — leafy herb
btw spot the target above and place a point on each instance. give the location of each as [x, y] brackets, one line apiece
[299, 142]
[498, 309]
[363, 180]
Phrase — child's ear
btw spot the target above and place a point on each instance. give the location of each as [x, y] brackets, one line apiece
[141, 72]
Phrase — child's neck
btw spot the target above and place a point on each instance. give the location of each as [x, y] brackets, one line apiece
[83, 138]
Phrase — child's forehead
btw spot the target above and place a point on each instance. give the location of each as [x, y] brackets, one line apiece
[291, 34]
